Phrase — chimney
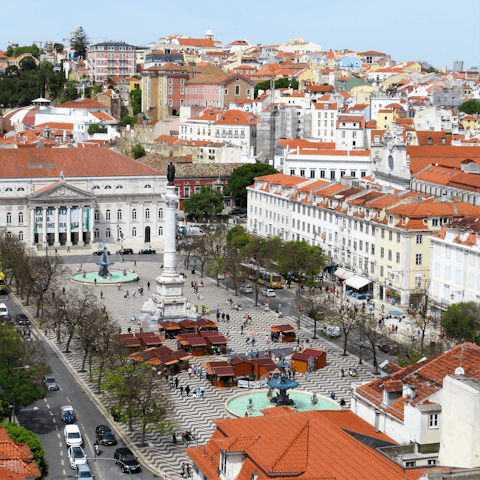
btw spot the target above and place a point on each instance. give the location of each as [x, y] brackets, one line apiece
[455, 208]
[298, 150]
[377, 420]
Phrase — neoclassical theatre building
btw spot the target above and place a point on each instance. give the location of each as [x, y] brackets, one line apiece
[70, 196]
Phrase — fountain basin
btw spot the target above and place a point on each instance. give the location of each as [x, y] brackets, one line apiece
[117, 277]
[237, 405]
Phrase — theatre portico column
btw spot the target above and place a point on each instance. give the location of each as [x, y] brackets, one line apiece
[44, 225]
[80, 225]
[32, 226]
[68, 243]
[57, 228]
[91, 221]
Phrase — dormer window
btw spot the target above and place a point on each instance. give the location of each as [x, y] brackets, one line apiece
[96, 187]
[429, 140]
[108, 187]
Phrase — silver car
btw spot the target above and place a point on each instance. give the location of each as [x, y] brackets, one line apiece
[50, 382]
[84, 472]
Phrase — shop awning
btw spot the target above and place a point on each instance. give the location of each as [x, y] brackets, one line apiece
[343, 273]
[357, 282]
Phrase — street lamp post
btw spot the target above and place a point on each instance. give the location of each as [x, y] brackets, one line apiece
[26, 367]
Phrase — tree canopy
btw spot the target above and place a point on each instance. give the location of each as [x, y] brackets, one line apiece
[204, 204]
[16, 52]
[242, 177]
[284, 82]
[80, 42]
[470, 107]
[460, 322]
[136, 101]
[138, 151]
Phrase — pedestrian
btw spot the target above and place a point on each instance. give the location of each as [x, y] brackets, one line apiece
[332, 395]
[227, 316]
[181, 391]
[195, 370]
[343, 372]
[148, 285]
[189, 473]
[135, 263]
[306, 375]
[129, 330]
[190, 371]
[383, 307]
[396, 328]
[343, 403]
[187, 390]
[253, 341]
[182, 470]
[101, 294]
[133, 294]
[218, 315]
[241, 329]
[46, 249]
[95, 281]
[202, 392]
[68, 249]
[200, 371]
[195, 396]
[293, 373]
[223, 316]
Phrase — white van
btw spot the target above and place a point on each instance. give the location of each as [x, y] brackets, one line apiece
[3, 310]
[72, 436]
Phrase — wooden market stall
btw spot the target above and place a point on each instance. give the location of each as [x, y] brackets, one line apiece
[168, 329]
[309, 356]
[220, 374]
[241, 366]
[216, 342]
[183, 358]
[261, 366]
[131, 343]
[188, 326]
[282, 333]
[149, 339]
[204, 324]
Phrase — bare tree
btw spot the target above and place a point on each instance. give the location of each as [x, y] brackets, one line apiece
[373, 332]
[343, 315]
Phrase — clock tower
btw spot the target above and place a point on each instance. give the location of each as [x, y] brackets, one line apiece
[391, 164]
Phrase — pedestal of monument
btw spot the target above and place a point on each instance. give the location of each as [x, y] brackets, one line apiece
[168, 301]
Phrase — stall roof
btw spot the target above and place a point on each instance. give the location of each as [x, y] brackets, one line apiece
[169, 325]
[236, 360]
[311, 352]
[220, 339]
[187, 323]
[282, 328]
[224, 371]
[180, 354]
[357, 282]
[343, 273]
[167, 359]
[300, 356]
[217, 364]
[201, 322]
[197, 342]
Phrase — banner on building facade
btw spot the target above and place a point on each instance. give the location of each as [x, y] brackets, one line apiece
[62, 220]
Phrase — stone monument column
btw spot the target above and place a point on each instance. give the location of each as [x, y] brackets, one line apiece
[57, 228]
[170, 251]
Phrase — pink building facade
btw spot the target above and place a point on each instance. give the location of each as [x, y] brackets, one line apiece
[110, 58]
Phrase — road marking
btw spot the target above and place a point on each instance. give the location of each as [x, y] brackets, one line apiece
[59, 387]
[58, 435]
[45, 400]
[63, 462]
[48, 406]
[68, 400]
[89, 443]
[54, 421]
[64, 472]
[61, 444]
[51, 413]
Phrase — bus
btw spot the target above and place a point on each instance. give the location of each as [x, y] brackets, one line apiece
[269, 279]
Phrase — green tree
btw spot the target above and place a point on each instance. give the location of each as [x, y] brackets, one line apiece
[58, 47]
[22, 435]
[470, 107]
[242, 177]
[34, 50]
[460, 322]
[342, 315]
[128, 120]
[136, 393]
[80, 42]
[204, 204]
[136, 101]
[284, 82]
[235, 253]
[27, 63]
[138, 151]
[68, 93]
[95, 128]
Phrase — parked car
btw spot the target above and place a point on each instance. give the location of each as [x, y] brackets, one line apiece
[72, 436]
[105, 435]
[332, 331]
[243, 215]
[22, 319]
[145, 251]
[67, 414]
[50, 382]
[76, 456]
[126, 459]
[124, 251]
[389, 348]
[83, 471]
[100, 252]
[3, 310]
[246, 289]
[269, 292]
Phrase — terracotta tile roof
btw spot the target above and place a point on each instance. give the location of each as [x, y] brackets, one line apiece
[427, 377]
[48, 163]
[304, 144]
[421, 156]
[104, 116]
[236, 117]
[414, 209]
[56, 125]
[196, 42]
[87, 103]
[433, 138]
[309, 445]
[282, 179]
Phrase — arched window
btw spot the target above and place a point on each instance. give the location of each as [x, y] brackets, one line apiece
[20, 236]
[134, 232]
[108, 187]
[118, 187]
[9, 218]
[134, 214]
[96, 233]
[107, 215]
[119, 214]
[147, 186]
[20, 218]
[96, 187]
[9, 234]
[147, 214]
[21, 189]
[160, 213]
[97, 215]
[8, 189]
[160, 231]
[108, 233]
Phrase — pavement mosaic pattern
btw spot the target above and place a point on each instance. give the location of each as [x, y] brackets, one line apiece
[198, 414]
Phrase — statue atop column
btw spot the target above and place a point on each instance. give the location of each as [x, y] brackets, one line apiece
[171, 173]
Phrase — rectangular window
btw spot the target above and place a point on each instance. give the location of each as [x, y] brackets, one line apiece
[433, 420]
[390, 236]
[418, 259]
[382, 234]
[458, 276]
[381, 270]
[237, 89]
[448, 252]
[447, 272]
[398, 257]
[459, 252]
[382, 252]
[419, 239]
[398, 238]
[390, 255]
[322, 173]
